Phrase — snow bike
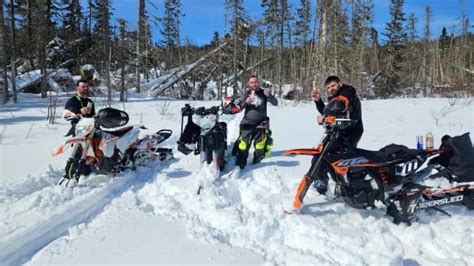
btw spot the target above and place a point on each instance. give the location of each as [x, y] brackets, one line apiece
[103, 145]
[208, 134]
[395, 175]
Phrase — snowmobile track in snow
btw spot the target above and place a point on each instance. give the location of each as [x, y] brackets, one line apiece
[19, 245]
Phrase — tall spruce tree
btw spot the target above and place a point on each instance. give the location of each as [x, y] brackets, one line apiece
[412, 51]
[171, 31]
[239, 21]
[302, 37]
[395, 47]
[362, 17]
[427, 73]
[72, 17]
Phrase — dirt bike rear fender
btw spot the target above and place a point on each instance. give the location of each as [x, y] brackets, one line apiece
[305, 151]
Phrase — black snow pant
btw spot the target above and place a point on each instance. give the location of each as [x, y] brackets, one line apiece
[260, 135]
[343, 144]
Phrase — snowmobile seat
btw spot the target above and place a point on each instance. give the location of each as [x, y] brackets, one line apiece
[119, 132]
[376, 156]
[389, 153]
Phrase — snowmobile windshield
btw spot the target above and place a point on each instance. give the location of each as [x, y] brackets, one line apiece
[111, 118]
[336, 107]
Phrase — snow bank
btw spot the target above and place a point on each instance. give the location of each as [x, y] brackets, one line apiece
[238, 209]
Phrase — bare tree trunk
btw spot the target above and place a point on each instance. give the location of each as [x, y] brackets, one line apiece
[90, 19]
[122, 84]
[236, 36]
[107, 75]
[146, 52]
[13, 47]
[292, 52]
[242, 85]
[137, 66]
[30, 34]
[322, 48]
[42, 49]
[234, 58]
[280, 48]
[3, 58]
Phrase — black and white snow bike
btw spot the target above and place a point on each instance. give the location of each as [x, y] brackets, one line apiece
[207, 136]
[395, 175]
[104, 145]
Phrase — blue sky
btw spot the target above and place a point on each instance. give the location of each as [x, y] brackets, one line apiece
[203, 17]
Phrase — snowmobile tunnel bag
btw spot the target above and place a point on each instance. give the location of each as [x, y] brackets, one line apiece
[462, 161]
[111, 117]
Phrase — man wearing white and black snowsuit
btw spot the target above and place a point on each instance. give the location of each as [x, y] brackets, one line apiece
[76, 107]
[79, 106]
[254, 126]
[349, 137]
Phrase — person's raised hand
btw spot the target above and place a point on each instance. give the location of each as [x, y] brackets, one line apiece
[315, 95]
[266, 91]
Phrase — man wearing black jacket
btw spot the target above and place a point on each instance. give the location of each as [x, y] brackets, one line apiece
[254, 125]
[79, 105]
[349, 137]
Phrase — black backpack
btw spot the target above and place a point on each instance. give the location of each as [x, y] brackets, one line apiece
[459, 156]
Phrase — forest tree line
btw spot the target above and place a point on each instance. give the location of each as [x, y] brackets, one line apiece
[298, 44]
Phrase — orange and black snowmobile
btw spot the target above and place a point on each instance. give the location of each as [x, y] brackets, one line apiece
[395, 175]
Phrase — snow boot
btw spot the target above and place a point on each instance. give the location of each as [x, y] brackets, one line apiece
[321, 185]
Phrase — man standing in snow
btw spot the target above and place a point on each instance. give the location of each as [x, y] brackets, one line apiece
[79, 106]
[349, 137]
[255, 124]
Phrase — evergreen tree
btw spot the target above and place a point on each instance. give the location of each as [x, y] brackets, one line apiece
[413, 51]
[427, 73]
[72, 16]
[396, 38]
[362, 16]
[171, 31]
[302, 37]
[339, 39]
[239, 21]
[101, 13]
[124, 51]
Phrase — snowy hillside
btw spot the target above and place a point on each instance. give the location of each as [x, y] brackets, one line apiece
[154, 215]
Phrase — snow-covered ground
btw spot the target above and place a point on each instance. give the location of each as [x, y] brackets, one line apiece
[154, 215]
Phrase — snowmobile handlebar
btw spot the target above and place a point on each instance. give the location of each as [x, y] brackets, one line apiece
[335, 123]
[187, 110]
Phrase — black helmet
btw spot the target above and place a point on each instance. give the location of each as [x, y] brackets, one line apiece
[337, 106]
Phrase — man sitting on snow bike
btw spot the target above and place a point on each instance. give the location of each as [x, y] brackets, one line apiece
[394, 175]
[349, 105]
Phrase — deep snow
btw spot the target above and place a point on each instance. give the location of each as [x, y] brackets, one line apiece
[154, 215]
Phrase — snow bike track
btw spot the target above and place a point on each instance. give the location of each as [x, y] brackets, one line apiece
[78, 205]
